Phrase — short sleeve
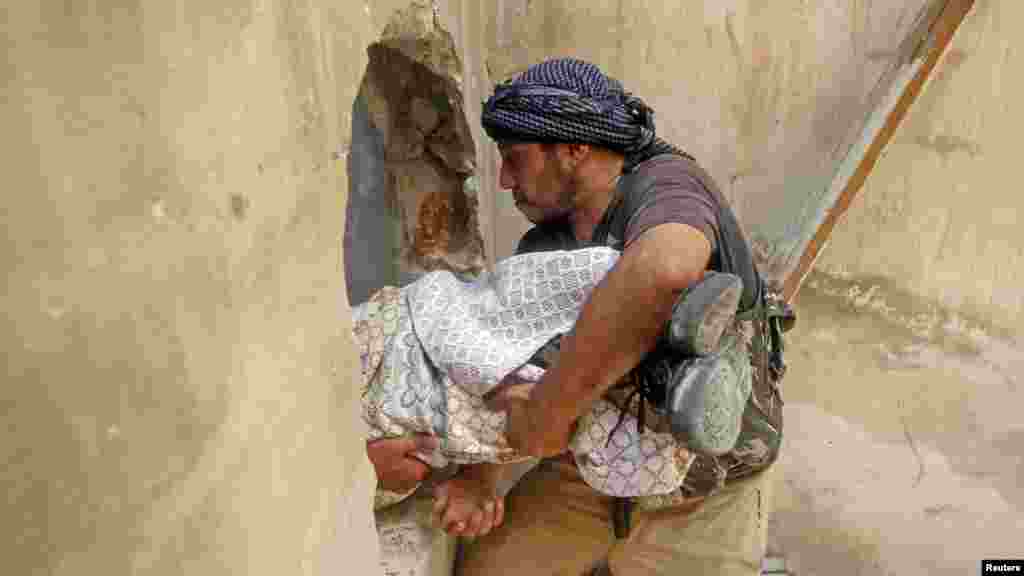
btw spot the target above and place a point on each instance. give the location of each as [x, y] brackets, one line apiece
[666, 193]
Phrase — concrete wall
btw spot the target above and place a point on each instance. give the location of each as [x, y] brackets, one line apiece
[177, 358]
[906, 443]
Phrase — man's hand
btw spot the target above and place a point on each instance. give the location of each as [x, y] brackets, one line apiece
[522, 434]
[397, 469]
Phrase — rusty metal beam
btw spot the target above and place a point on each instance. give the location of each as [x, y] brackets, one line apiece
[926, 54]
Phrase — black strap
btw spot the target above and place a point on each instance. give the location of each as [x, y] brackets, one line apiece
[604, 227]
[622, 517]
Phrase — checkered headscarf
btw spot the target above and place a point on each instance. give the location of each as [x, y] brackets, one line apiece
[572, 101]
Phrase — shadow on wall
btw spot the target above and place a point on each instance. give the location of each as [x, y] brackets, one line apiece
[412, 204]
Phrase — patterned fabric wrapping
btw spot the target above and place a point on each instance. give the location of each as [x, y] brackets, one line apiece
[430, 351]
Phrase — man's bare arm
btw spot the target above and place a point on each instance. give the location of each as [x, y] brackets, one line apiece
[619, 323]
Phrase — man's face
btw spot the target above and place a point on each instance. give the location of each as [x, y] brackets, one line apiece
[540, 182]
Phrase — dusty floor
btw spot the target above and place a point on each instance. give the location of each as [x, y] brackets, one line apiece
[892, 464]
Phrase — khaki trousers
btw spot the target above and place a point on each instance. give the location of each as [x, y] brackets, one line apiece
[556, 525]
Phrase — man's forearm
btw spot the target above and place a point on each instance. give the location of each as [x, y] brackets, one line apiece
[617, 326]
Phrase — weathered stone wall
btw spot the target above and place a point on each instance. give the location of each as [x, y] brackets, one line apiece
[178, 364]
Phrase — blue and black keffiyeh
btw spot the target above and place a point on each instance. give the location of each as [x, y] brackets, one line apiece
[571, 101]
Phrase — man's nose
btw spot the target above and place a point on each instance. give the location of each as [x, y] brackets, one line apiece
[505, 179]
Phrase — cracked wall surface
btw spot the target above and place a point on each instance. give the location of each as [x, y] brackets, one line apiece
[415, 167]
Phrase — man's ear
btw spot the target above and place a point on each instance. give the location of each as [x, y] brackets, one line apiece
[571, 156]
[579, 152]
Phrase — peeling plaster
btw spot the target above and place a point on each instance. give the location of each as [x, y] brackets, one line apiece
[422, 216]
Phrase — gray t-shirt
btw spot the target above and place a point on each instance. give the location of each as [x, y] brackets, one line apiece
[664, 189]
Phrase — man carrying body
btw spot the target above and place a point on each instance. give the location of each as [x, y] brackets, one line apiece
[580, 156]
[582, 160]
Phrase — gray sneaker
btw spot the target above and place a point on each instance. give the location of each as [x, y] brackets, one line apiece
[702, 312]
[707, 396]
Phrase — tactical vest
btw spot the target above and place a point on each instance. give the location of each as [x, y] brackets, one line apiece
[762, 319]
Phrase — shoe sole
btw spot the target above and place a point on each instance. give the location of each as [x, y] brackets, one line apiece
[707, 398]
[702, 313]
